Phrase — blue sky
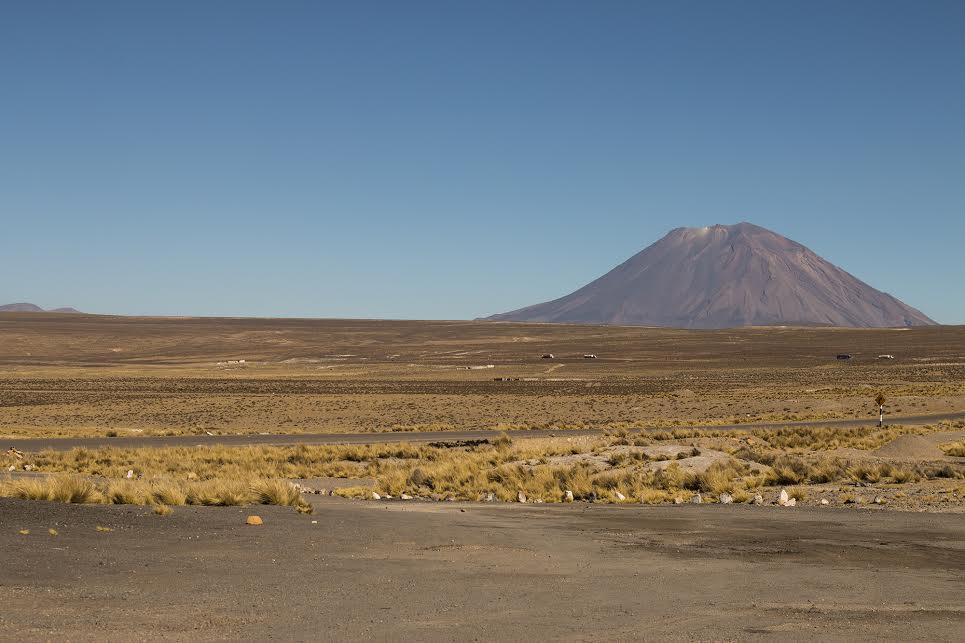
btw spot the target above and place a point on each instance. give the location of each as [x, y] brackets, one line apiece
[455, 159]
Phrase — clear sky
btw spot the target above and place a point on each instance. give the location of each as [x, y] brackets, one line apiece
[457, 159]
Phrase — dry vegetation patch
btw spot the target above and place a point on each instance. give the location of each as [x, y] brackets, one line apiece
[622, 467]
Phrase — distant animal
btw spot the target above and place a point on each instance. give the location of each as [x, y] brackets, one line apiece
[844, 355]
[886, 357]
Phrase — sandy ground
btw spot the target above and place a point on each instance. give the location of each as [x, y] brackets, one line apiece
[448, 571]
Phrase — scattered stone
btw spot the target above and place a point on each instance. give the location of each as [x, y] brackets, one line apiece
[12, 467]
[376, 496]
[28, 467]
[592, 497]
[791, 502]
[521, 496]
[105, 529]
[880, 500]
[726, 498]
[192, 475]
[824, 501]
[130, 474]
[620, 496]
[435, 497]
[696, 500]
[52, 531]
[24, 532]
[758, 499]
[490, 497]
[17, 453]
[678, 500]
[405, 496]
[314, 522]
[783, 498]
[567, 496]
[538, 501]
[254, 520]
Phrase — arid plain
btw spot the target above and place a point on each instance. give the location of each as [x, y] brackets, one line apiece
[666, 425]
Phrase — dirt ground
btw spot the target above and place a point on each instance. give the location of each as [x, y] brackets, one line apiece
[873, 548]
[80, 375]
[444, 571]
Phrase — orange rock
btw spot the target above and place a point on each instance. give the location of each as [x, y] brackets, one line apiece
[254, 520]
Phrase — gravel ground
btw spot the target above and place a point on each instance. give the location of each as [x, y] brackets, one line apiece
[443, 571]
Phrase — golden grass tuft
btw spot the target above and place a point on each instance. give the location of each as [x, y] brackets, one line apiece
[955, 449]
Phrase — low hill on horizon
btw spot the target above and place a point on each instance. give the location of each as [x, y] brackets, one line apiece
[725, 276]
[25, 307]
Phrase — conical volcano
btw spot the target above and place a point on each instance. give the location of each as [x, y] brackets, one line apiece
[721, 277]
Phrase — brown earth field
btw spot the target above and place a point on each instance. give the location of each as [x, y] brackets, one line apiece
[87, 375]
[454, 571]
[682, 484]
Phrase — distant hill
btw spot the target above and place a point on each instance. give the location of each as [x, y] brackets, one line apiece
[721, 277]
[24, 307]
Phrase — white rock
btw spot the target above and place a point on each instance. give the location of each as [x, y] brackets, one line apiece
[376, 496]
[28, 467]
[726, 498]
[783, 498]
[824, 501]
[696, 499]
[567, 496]
[12, 468]
[791, 502]
[130, 474]
[406, 496]
[880, 500]
[758, 499]
[521, 496]
[620, 496]
[678, 500]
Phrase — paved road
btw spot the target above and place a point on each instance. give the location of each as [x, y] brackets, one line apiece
[277, 439]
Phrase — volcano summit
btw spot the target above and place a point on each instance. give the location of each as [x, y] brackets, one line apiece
[721, 277]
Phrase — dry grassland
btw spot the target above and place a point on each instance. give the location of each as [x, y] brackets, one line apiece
[95, 376]
[84, 375]
[654, 467]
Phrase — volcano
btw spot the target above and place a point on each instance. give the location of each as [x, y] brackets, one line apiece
[725, 276]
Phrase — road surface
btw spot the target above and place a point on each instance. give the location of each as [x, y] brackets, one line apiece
[460, 572]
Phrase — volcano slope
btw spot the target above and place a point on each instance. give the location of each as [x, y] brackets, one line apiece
[723, 277]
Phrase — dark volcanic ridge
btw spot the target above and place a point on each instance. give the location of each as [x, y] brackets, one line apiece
[722, 277]
[24, 307]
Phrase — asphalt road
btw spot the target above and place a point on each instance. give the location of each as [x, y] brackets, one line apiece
[283, 439]
[454, 571]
